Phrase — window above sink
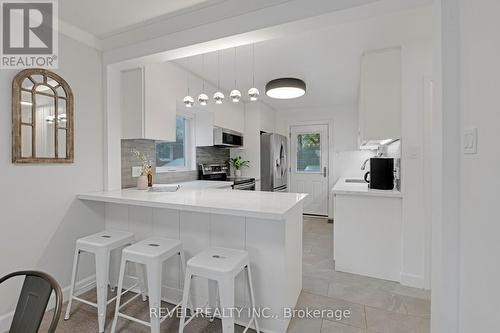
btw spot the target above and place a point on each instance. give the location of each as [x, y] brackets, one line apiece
[178, 155]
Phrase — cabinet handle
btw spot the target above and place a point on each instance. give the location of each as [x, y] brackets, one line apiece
[324, 171]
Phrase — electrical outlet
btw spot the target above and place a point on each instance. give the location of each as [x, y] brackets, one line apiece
[470, 141]
[136, 171]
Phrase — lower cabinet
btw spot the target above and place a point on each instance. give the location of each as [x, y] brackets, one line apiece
[367, 235]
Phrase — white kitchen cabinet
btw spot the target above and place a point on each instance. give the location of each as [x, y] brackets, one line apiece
[132, 104]
[380, 95]
[148, 103]
[160, 101]
[204, 128]
[367, 235]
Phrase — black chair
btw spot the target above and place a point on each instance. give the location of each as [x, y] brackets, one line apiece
[35, 295]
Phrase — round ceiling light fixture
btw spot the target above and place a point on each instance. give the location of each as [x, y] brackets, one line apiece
[285, 88]
[188, 101]
[235, 95]
[203, 99]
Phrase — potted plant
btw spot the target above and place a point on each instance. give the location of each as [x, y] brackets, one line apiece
[237, 163]
[142, 180]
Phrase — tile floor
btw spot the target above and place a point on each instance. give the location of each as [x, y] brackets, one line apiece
[376, 306]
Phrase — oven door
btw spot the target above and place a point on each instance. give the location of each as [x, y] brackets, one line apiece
[283, 188]
[245, 186]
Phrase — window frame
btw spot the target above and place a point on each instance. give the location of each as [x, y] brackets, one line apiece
[320, 157]
[189, 149]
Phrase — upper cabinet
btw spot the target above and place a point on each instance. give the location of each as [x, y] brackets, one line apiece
[148, 104]
[161, 92]
[380, 95]
[132, 104]
[152, 97]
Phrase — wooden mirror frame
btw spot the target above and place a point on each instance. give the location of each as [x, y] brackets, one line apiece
[17, 89]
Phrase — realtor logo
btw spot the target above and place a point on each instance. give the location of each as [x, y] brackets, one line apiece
[29, 34]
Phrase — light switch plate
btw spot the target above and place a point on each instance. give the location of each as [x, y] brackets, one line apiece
[136, 171]
[470, 141]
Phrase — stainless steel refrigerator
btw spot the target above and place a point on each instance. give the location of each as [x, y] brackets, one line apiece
[273, 162]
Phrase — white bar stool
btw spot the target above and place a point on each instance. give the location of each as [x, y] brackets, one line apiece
[101, 245]
[221, 265]
[152, 253]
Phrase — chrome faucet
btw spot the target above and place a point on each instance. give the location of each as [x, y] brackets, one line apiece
[379, 154]
[363, 166]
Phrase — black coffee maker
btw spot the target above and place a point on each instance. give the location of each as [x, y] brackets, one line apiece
[381, 174]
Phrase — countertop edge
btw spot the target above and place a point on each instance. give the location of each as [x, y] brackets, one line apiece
[391, 194]
[202, 209]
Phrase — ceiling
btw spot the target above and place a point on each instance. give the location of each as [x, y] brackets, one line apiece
[328, 60]
[102, 18]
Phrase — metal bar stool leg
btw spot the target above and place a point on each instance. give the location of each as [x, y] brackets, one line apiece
[73, 281]
[226, 292]
[140, 271]
[154, 291]
[119, 289]
[252, 298]
[185, 300]
[102, 281]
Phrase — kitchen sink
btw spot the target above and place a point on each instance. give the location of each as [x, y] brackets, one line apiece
[359, 181]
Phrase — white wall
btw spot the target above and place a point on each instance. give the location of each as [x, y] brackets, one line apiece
[480, 199]
[41, 217]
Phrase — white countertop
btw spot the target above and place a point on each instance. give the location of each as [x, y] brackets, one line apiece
[209, 197]
[341, 187]
[205, 184]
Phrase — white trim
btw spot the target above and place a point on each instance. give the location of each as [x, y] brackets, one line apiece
[6, 319]
[446, 141]
[80, 35]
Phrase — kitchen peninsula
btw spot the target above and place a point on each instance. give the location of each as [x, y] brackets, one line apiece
[267, 224]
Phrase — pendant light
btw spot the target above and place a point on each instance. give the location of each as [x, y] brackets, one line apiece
[203, 98]
[235, 94]
[188, 100]
[253, 92]
[218, 96]
[285, 88]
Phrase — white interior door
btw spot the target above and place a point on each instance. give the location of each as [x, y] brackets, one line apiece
[309, 166]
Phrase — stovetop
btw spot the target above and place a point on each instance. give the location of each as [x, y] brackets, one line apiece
[219, 171]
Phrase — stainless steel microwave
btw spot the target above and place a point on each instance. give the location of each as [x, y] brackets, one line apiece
[227, 138]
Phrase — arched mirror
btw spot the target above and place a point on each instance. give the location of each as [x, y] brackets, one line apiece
[42, 118]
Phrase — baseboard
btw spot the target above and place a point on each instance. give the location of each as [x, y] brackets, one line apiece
[6, 319]
[413, 280]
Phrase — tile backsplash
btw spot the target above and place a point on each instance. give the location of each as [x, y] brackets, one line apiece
[148, 147]
[207, 155]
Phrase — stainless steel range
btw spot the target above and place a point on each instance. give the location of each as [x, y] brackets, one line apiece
[219, 171]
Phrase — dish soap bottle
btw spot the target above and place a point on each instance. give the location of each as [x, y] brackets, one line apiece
[150, 175]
